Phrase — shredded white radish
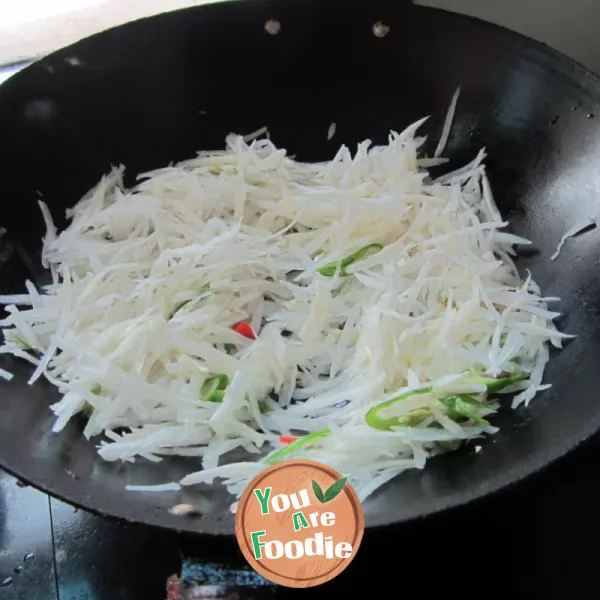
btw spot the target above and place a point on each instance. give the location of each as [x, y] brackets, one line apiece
[447, 127]
[139, 327]
[331, 130]
[165, 487]
[256, 134]
[577, 229]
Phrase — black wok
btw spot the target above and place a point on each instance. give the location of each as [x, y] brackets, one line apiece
[160, 89]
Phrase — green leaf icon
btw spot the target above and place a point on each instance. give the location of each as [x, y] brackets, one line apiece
[335, 488]
[318, 491]
[332, 492]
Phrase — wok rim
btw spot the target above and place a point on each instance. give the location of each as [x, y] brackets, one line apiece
[503, 481]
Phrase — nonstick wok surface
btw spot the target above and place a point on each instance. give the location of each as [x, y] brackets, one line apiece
[157, 90]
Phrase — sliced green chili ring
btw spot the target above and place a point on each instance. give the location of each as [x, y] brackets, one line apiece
[463, 405]
[88, 409]
[449, 445]
[264, 408]
[374, 420]
[213, 389]
[458, 406]
[495, 384]
[215, 396]
[330, 269]
[295, 446]
[449, 403]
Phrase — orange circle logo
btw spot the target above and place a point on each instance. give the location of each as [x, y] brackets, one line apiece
[299, 523]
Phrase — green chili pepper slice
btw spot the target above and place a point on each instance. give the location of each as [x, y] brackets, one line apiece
[330, 269]
[449, 445]
[495, 384]
[88, 408]
[374, 420]
[458, 406]
[213, 389]
[264, 408]
[295, 446]
[463, 405]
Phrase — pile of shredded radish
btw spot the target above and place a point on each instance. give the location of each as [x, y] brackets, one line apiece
[149, 286]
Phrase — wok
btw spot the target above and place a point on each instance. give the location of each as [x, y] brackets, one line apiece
[159, 89]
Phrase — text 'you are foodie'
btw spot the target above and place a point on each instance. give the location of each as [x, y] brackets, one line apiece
[299, 523]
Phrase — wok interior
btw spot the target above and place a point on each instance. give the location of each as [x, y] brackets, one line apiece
[158, 90]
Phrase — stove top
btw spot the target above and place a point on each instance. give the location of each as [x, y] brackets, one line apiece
[529, 541]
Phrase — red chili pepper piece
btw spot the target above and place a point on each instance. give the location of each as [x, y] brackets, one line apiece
[244, 329]
[284, 439]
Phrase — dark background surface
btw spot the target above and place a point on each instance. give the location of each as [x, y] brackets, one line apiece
[539, 539]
